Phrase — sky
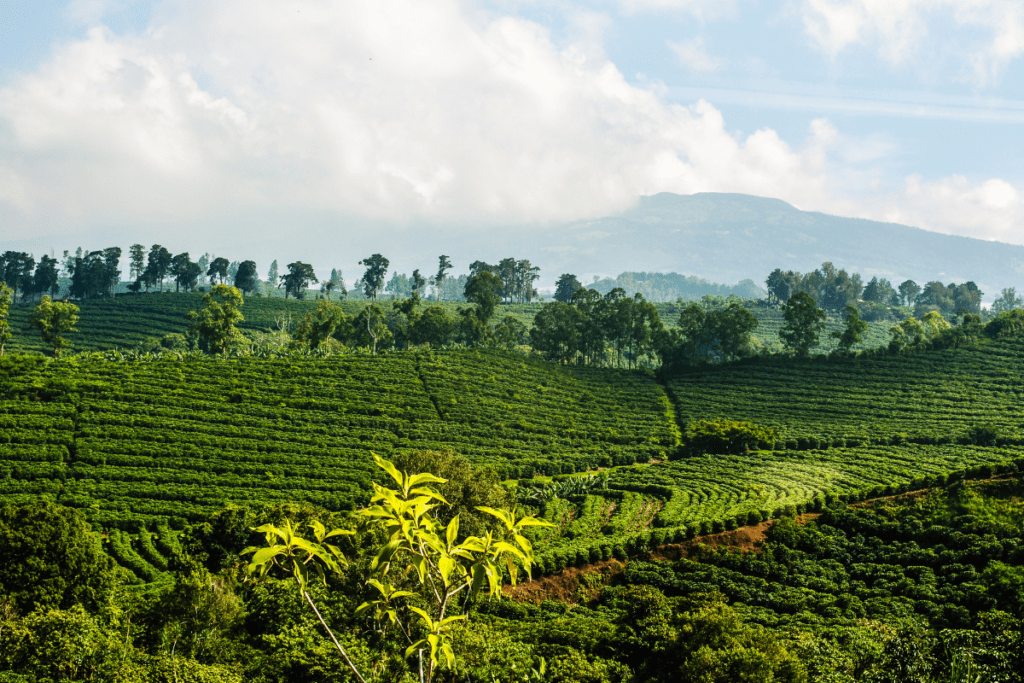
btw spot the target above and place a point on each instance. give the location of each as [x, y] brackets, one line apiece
[281, 123]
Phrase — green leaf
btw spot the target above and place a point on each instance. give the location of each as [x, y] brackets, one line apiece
[388, 467]
[452, 532]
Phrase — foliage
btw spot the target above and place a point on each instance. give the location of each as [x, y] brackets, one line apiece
[418, 546]
[376, 271]
[804, 321]
[297, 279]
[726, 436]
[54, 319]
[216, 324]
[51, 559]
[5, 326]
[854, 332]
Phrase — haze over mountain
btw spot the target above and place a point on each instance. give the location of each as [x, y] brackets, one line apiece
[729, 237]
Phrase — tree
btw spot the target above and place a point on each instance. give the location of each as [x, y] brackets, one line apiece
[398, 286]
[51, 559]
[180, 270]
[438, 575]
[46, 278]
[137, 256]
[157, 266]
[418, 283]
[16, 270]
[6, 293]
[1007, 301]
[272, 274]
[376, 271]
[484, 291]
[54, 319]
[245, 277]
[215, 324]
[371, 330]
[804, 321]
[434, 327]
[339, 282]
[297, 279]
[317, 327]
[555, 332]
[565, 287]
[908, 291]
[444, 264]
[218, 270]
[855, 329]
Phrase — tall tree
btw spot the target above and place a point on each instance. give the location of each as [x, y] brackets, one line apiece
[112, 268]
[204, 265]
[804, 322]
[1007, 301]
[272, 275]
[215, 324]
[137, 256]
[909, 290]
[376, 271]
[47, 277]
[525, 275]
[16, 270]
[444, 264]
[245, 277]
[418, 282]
[179, 270]
[297, 279]
[484, 291]
[5, 325]
[218, 270]
[565, 287]
[158, 265]
[54, 319]
[555, 332]
[398, 286]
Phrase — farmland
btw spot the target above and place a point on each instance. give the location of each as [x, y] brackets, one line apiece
[145, 444]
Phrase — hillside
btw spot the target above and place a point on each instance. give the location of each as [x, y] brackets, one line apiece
[173, 440]
[732, 237]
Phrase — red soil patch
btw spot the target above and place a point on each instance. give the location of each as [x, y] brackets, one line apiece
[573, 584]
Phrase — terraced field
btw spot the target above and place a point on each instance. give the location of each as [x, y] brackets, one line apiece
[161, 443]
[148, 442]
[925, 398]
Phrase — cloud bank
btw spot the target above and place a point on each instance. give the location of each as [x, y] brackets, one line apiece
[402, 111]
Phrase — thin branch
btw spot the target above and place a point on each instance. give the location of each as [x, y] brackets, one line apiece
[344, 655]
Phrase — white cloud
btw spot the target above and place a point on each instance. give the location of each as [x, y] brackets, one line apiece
[693, 55]
[397, 111]
[702, 9]
[992, 209]
[900, 29]
[392, 110]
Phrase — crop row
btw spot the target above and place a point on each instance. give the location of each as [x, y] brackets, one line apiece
[711, 494]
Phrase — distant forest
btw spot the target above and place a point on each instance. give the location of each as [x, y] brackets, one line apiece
[659, 287]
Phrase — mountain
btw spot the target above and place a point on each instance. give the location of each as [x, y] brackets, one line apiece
[731, 237]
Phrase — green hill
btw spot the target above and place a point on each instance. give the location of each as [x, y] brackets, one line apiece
[169, 440]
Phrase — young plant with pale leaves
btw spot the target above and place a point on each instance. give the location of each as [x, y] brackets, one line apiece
[423, 562]
[449, 573]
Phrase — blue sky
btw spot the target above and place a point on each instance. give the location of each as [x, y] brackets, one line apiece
[130, 116]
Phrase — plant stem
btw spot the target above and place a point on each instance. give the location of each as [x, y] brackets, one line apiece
[335, 640]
